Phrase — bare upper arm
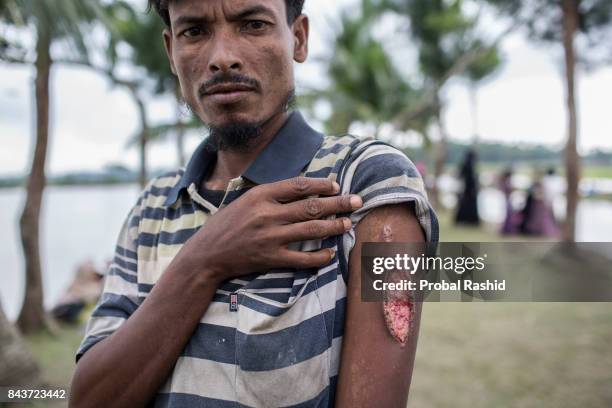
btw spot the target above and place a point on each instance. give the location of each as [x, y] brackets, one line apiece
[375, 367]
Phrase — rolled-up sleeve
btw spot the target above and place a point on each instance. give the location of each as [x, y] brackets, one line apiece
[382, 175]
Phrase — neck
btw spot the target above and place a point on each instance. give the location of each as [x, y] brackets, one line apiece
[233, 163]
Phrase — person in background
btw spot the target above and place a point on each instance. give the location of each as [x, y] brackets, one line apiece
[548, 189]
[467, 209]
[510, 223]
[84, 289]
[538, 217]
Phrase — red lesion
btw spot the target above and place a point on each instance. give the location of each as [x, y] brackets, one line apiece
[398, 317]
[398, 309]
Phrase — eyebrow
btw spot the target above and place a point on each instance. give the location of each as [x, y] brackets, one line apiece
[240, 15]
[188, 20]
[249, 11]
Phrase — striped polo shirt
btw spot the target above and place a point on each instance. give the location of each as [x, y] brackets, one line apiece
[281, 344]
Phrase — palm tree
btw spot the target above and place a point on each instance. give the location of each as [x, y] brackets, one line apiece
[561, 21]
[570, 24]
[147, 57]
[140, 32]
[365, 85]
[53, 22]
[479, 70]
[438, 27]
[153, 58]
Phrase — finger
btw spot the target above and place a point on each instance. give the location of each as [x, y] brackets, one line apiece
[304, 260]
[300, 187]
[315, 229]
[315, 208]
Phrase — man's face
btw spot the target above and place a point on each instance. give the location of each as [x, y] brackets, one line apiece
[234, 58]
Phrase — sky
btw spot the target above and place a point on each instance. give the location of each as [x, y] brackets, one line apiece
[91, 121]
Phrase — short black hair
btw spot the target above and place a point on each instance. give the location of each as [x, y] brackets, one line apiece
[294, 9]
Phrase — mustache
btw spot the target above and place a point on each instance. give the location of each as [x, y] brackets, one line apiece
[228, 79]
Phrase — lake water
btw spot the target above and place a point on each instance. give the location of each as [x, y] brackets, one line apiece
[78, 223]
[81, 223]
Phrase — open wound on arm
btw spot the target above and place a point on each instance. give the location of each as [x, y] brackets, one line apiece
[398, 306]
[398, 309]
[398, 317]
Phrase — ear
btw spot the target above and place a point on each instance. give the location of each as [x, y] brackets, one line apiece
[300, 35]
[167, 34]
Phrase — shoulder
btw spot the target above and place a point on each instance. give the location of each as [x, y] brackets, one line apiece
[374, 164]
[365, 154]
[383, 175]
[349, 149]
[344, 145]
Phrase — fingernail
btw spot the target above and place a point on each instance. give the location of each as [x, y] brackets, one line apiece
[356, 201]
[336, 187]
[332, 253]
[347, 223]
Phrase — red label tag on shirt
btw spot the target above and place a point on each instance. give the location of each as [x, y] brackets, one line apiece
[233, 307]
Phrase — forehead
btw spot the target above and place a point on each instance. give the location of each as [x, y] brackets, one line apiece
[221, 9]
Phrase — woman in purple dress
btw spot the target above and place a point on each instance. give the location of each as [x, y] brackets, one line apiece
[538, 217]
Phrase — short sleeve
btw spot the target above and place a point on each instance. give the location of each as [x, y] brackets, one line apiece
[382, 175]
[119, 297]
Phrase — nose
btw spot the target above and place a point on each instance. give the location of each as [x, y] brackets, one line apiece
[224, 54]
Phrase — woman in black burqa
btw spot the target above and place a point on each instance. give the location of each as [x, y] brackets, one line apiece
[467, 209]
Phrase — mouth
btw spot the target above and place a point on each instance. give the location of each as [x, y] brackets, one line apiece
[227, 93]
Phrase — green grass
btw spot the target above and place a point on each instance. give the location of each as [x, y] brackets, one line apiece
[472, 354]
[511, 354]
[55, 354]
[514, 354]
[597, 172]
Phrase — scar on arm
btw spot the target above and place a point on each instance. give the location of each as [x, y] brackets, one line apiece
[387, 233]
[398, 309]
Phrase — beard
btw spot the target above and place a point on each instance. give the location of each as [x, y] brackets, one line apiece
[240, 136]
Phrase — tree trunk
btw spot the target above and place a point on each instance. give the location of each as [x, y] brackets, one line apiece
[376, 131]
[180, 128]
[572, 160]
[18, 366]
[441, 153]
[473, 90]
[32, 315]
[144, 138]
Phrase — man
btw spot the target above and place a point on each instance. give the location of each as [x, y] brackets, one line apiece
[236, 281]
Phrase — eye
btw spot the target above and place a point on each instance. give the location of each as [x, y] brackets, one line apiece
[255, 25]
[192, 32]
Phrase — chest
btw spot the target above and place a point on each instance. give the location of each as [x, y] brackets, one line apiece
[267, 339]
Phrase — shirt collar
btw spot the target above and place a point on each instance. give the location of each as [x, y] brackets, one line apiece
[293, 147]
